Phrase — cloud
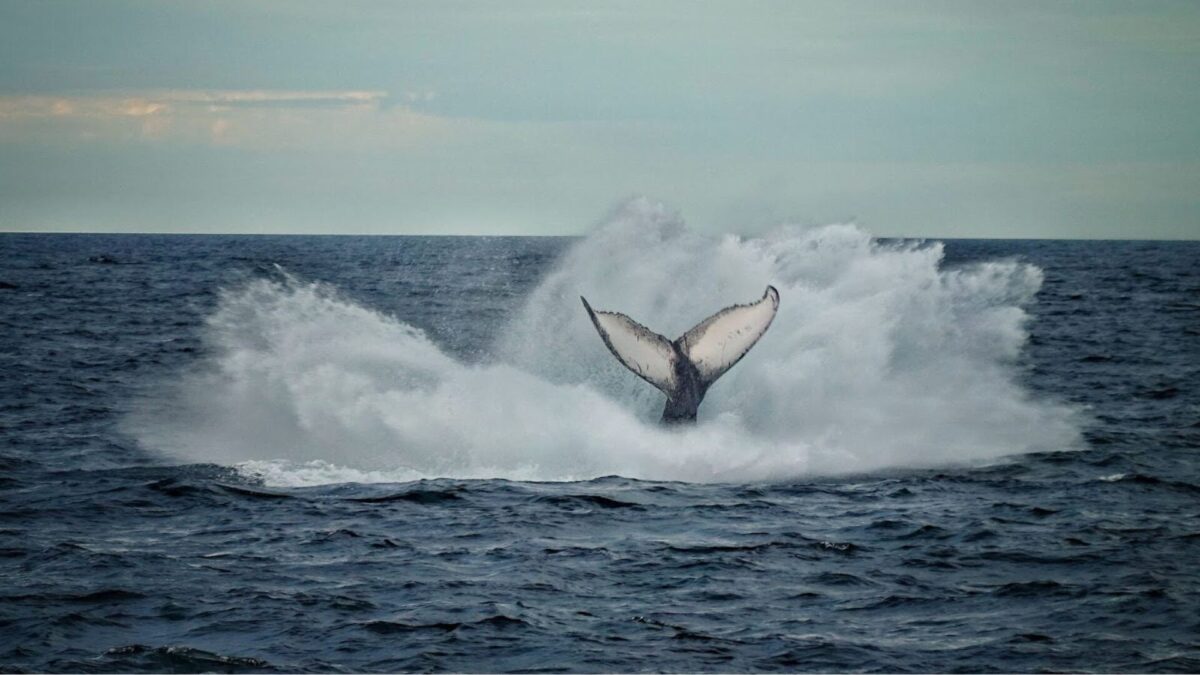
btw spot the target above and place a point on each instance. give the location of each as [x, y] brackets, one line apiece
[265, 119]
[154, 102]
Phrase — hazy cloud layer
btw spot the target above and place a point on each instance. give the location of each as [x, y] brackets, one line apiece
[261, 119]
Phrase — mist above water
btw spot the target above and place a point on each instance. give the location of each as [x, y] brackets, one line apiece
[878, 358]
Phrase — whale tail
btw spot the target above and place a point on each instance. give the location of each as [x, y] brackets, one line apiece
[685, 368]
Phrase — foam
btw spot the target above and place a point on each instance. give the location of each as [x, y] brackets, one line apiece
[878, 358]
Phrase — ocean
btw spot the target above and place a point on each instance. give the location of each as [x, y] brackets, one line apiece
[353, 453]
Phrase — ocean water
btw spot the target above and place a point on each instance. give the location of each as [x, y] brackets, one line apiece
[255, 454]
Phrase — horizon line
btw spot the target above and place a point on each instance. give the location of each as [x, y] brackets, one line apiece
[553, 236]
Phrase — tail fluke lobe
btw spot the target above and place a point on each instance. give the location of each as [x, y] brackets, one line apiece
[716, 344]
[684, 369]
[649, 355]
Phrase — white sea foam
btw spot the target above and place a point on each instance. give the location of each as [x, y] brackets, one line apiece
[878, 358]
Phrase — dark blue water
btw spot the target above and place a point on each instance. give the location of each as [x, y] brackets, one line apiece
[115, 557]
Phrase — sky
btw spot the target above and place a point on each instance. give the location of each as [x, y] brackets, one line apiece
[921, 119]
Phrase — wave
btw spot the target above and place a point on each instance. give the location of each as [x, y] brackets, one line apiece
[879, 357]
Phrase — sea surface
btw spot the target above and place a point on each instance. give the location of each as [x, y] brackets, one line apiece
[331, 454]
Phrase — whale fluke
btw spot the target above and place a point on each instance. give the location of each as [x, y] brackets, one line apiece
[686, 368]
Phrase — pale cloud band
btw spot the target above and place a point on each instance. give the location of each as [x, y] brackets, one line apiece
[256, 118]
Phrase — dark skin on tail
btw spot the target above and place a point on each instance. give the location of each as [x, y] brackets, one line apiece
[684, 402]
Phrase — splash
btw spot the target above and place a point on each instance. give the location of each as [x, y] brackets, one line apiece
[878, 358]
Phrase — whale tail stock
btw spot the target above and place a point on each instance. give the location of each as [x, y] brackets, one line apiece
[685, 368]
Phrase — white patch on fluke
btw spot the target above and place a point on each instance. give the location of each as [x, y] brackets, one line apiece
[877, 358]
[640, 349]
[721, 340]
